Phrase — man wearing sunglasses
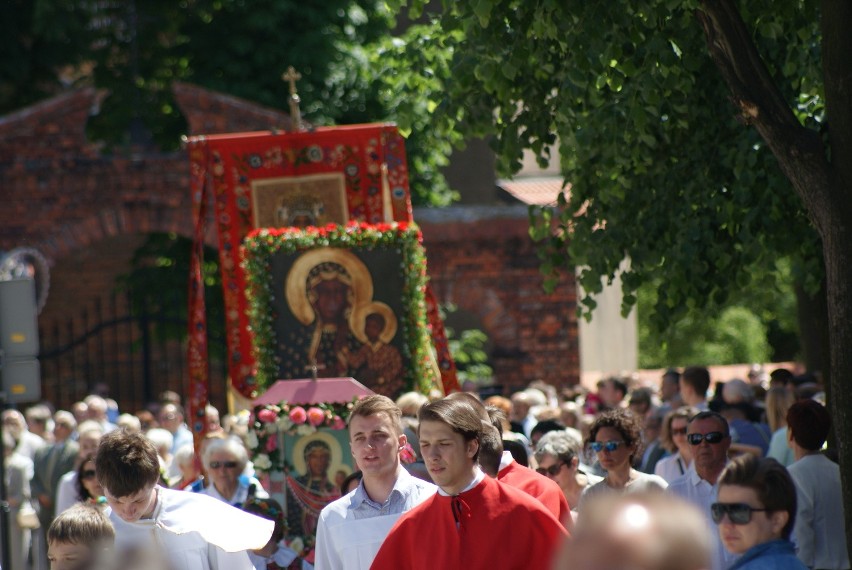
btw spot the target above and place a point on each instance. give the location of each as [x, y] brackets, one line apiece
[709, 438]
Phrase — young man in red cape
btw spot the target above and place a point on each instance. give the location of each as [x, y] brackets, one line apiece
[473, 519]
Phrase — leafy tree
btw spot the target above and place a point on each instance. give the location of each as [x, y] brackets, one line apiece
[694, 176]
[38, 39]
[136, 50]
[768, 332]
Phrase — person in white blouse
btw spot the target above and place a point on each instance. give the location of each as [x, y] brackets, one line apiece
[673, 437]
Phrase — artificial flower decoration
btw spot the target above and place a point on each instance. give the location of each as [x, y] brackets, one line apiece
[272, 420]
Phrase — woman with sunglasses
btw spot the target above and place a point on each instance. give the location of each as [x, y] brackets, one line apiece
[89, 491]
[558, 457]
[673, 437]
[224, 461]
[756, 512]
[616, 437]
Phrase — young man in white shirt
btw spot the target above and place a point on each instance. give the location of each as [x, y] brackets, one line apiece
[351, 530]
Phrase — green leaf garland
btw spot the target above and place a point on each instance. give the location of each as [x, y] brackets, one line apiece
[261, 245]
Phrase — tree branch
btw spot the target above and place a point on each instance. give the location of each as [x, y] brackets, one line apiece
[799, 150]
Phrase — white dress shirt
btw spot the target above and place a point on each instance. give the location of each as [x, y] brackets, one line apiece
[701, 493]
[671, 467]
[351, 529]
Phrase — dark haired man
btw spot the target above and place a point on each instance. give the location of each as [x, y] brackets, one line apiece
[472, 517]
[537, 485]
[820, 530]
[168, 528]
[694, 383]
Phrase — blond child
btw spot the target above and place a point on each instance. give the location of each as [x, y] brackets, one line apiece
[80, 538]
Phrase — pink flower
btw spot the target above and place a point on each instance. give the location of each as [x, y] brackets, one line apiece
[298, 415]
[316, 416]
[338, 423]
[271, 443]
[267, 416]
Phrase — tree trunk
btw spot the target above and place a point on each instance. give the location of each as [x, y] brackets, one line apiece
[822, 177]
[837, 246]
[812, 318]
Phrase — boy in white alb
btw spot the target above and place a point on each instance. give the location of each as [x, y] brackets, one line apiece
[180, 530]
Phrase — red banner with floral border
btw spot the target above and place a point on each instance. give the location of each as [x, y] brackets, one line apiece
[244, 171]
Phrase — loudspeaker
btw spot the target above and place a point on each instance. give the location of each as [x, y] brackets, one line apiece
[19, 368]
[21, 380]
[18, 324]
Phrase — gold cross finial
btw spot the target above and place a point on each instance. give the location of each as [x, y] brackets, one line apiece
[292, 76]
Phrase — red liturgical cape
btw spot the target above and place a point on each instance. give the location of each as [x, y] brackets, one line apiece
[537, 485]
[492, 526]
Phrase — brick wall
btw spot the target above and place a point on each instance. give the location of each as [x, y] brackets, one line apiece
[87, 212]
[483, 260]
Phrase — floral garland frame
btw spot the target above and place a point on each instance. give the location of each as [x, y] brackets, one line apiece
[261, 245]
[269, 421]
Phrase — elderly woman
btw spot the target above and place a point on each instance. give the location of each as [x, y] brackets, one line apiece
[616, 437]
[756, 512]
[224, 461]
[184, 460]
[673, 437]
[558, 457]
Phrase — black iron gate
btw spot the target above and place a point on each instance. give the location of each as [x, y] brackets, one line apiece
[123, 346]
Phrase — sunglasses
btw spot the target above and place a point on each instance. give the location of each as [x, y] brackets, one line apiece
[552, 470]
[679, 431]
[225, 464]
[738, 513]
[713, 437]
[87, 474]
[598, 446]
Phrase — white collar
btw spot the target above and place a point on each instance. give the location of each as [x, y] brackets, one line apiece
[505, 460]
[478, 476]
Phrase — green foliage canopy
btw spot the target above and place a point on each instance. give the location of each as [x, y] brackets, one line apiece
[660, 169]
[136, 50]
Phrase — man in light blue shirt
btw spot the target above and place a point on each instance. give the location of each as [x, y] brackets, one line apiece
[351, 530]
[710, 438]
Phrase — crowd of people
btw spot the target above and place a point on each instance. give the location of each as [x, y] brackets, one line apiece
[666, 477]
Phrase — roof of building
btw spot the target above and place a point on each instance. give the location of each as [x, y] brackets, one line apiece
[535, 190]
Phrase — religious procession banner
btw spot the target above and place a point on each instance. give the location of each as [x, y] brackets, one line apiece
[333, 175]
[349, 300]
